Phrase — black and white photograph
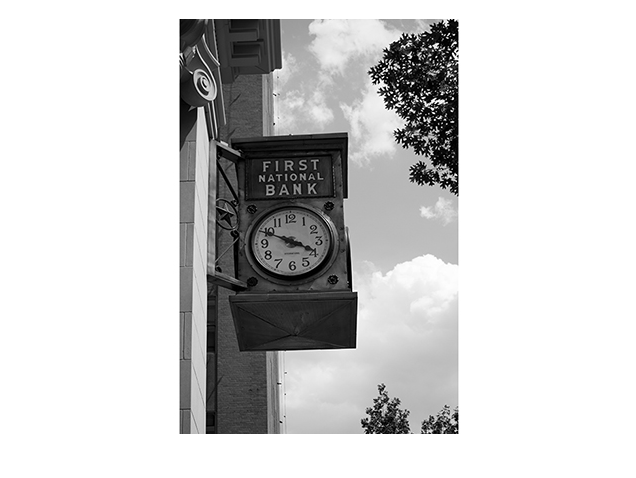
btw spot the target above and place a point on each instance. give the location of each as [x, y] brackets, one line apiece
[319, 217]
[291, 282]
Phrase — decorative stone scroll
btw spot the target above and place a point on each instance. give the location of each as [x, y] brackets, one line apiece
[198, 86]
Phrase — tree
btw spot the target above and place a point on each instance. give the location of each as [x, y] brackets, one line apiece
[445, 422]
[386, 416]
[419, 76]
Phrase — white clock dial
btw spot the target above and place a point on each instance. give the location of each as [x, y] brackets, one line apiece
[292, 242]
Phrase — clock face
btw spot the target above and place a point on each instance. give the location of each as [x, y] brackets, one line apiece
[292, 242]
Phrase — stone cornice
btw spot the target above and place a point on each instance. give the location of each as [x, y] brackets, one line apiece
[248, 47]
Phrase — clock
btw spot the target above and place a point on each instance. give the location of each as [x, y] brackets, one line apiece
[292, 243]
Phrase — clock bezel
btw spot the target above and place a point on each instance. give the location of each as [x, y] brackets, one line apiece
[304, 277]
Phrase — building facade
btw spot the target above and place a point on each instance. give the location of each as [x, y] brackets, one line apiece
[226, 92]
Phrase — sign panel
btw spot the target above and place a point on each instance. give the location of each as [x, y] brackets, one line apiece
[286, 178]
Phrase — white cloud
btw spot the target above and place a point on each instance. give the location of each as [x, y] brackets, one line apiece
[289, 69]
[303, 101]
[318, 110]
[301, 112]
[371, 126]
[337, 42]
[406, 338]
[443, 210]
[303, 109]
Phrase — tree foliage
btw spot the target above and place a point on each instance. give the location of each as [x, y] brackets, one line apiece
[444, 422]
[419, 76]
[386, 416]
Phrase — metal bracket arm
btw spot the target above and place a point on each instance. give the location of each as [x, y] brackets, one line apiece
[224, 151]
[226, 281]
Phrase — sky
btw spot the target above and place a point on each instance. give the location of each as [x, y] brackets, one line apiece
[403, 237]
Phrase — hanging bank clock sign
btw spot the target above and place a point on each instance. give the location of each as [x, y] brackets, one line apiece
[293, 251]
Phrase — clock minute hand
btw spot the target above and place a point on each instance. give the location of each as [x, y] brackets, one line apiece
[288, 240]
[267, 233]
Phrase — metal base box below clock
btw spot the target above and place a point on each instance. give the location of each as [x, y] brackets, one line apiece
[289, 321]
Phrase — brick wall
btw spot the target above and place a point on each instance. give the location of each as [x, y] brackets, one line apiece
[248, 394]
